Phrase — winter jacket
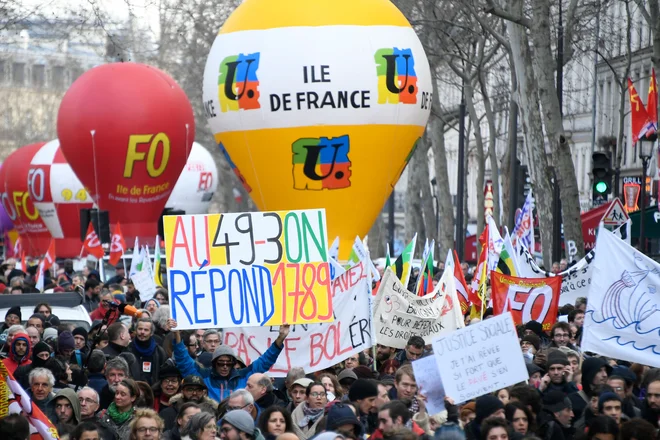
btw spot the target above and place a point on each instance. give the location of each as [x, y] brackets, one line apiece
[219, 388]
[104, 433]
[120, 431]
[169, 414]
[13, 361]
[113, 350]
[90, 303]
[270, 399]
[147, 367]
[97, 381]
[305, 432]
[71, 396]
[590, 367]
[551, 429]
[99, 313]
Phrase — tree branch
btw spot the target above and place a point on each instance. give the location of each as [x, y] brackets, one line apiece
[571, 22]
[493, 9]
[641, 4]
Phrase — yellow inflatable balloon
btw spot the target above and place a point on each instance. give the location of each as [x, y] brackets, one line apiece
[318, 104]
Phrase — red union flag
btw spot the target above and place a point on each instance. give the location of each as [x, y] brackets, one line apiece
[527, 298]
[92, 243]
[118, 246]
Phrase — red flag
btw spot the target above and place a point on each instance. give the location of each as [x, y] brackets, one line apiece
[461, 286]
[639, 118]
[18, 247]
[117, 246]
[45, 264]
[652, 101]
[527, 298]
[92, 243]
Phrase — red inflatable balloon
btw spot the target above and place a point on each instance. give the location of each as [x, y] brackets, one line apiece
[16, 200]
[59, 196]
[127, 129]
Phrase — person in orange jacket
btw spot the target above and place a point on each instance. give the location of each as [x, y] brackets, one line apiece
[19, 352]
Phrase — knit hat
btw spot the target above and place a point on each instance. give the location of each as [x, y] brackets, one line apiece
[341, 414]
[362, 389]
[150, 300]
[557, 357]
[535, 326]
[486, 406]
[52, 321]
[468, 408]
[80, 331]
[346, 373]
[50, 333]
[606, 397]
[40, 347]
[222, 350]
[363, 372]
[625, 373]
[387, 379]
[533, 368]
[66, 341]
[532, 339]
[555, 401]
[16, 310]
[240, 420]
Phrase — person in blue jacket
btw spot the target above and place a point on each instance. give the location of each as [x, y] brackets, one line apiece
[222, 378]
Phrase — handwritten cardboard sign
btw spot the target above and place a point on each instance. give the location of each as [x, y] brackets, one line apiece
[316, 346]
[248, 269]
[400, 314]
[480, 358]
[426, 376]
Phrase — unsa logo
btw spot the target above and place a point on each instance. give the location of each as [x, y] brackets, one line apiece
[397, 80]
[321, 163]
[238, 84]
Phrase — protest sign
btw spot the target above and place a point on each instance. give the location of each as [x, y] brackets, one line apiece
[426, 376]
[622, 314]
[145, 284]
[480, 358]
[399, 314]
[316, 346]
[526, 298]
[248, 269]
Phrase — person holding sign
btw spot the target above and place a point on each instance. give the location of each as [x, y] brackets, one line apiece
[222, 378]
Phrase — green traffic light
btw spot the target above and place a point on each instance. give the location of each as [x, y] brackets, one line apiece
[601, 187]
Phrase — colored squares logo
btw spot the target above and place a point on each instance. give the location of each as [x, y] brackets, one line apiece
[397, 80]
[321, 163]
[238, 83]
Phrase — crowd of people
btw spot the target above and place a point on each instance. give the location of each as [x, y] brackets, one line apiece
[143, 379]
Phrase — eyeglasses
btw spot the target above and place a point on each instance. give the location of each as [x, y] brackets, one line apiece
[224, 429]
[194, 390]
[317, 395]
[150, 429]
[211, 428]
[234, 408]
[223, 364]
[86, 400]
[171, 380]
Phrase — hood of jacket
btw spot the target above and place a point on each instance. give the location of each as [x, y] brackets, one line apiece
[20, 337]
[72, 397]
[591, 367]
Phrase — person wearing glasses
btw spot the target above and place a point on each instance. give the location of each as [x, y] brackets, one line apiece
[201, 426]
[146, 425]
[223, 378]
[308, 414]
[168, 386]
[193, 389]
[103, 307]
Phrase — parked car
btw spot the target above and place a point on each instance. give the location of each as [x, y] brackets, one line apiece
[66, 306]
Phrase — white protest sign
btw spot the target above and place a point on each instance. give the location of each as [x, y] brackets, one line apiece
[316, 346]
[480, 358]
[426, 377]
[248, 269]
[145, 284]
[399, 314]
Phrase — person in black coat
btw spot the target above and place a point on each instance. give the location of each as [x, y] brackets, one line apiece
[148, 354]
[554, 421]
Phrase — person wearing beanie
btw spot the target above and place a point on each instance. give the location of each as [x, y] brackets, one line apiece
[81, 349]
[19, 352]
[535, 327]
[610, 404]
[594, 372]
[554, 421]
[622, 380]
[193, 390]
[559, 376]
[485, 406]
[40, 354]
[238, 425]
[223, 378]
[341, 418]
[530, 344]
[65, 345]
[12, 317]
[363, 394]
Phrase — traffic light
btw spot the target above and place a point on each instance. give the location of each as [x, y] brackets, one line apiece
[601, 170]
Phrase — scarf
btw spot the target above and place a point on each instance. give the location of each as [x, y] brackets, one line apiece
[310, 416]
[119, 417]
[145, 348]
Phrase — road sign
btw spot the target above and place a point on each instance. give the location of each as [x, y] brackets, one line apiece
[615, 215]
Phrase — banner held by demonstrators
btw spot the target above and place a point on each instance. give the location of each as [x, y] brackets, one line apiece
[623, 310]
[248, 269]
[316, 346]
[526, 298]
[400, 314]
[479, 359]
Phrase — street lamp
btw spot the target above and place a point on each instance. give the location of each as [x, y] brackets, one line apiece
[645, 152]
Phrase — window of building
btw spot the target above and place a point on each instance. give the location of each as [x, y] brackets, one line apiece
[18, 74]
[58, 77]
[38, 75]
[3, 76]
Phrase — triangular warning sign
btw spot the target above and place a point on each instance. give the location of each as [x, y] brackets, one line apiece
[615, 215]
